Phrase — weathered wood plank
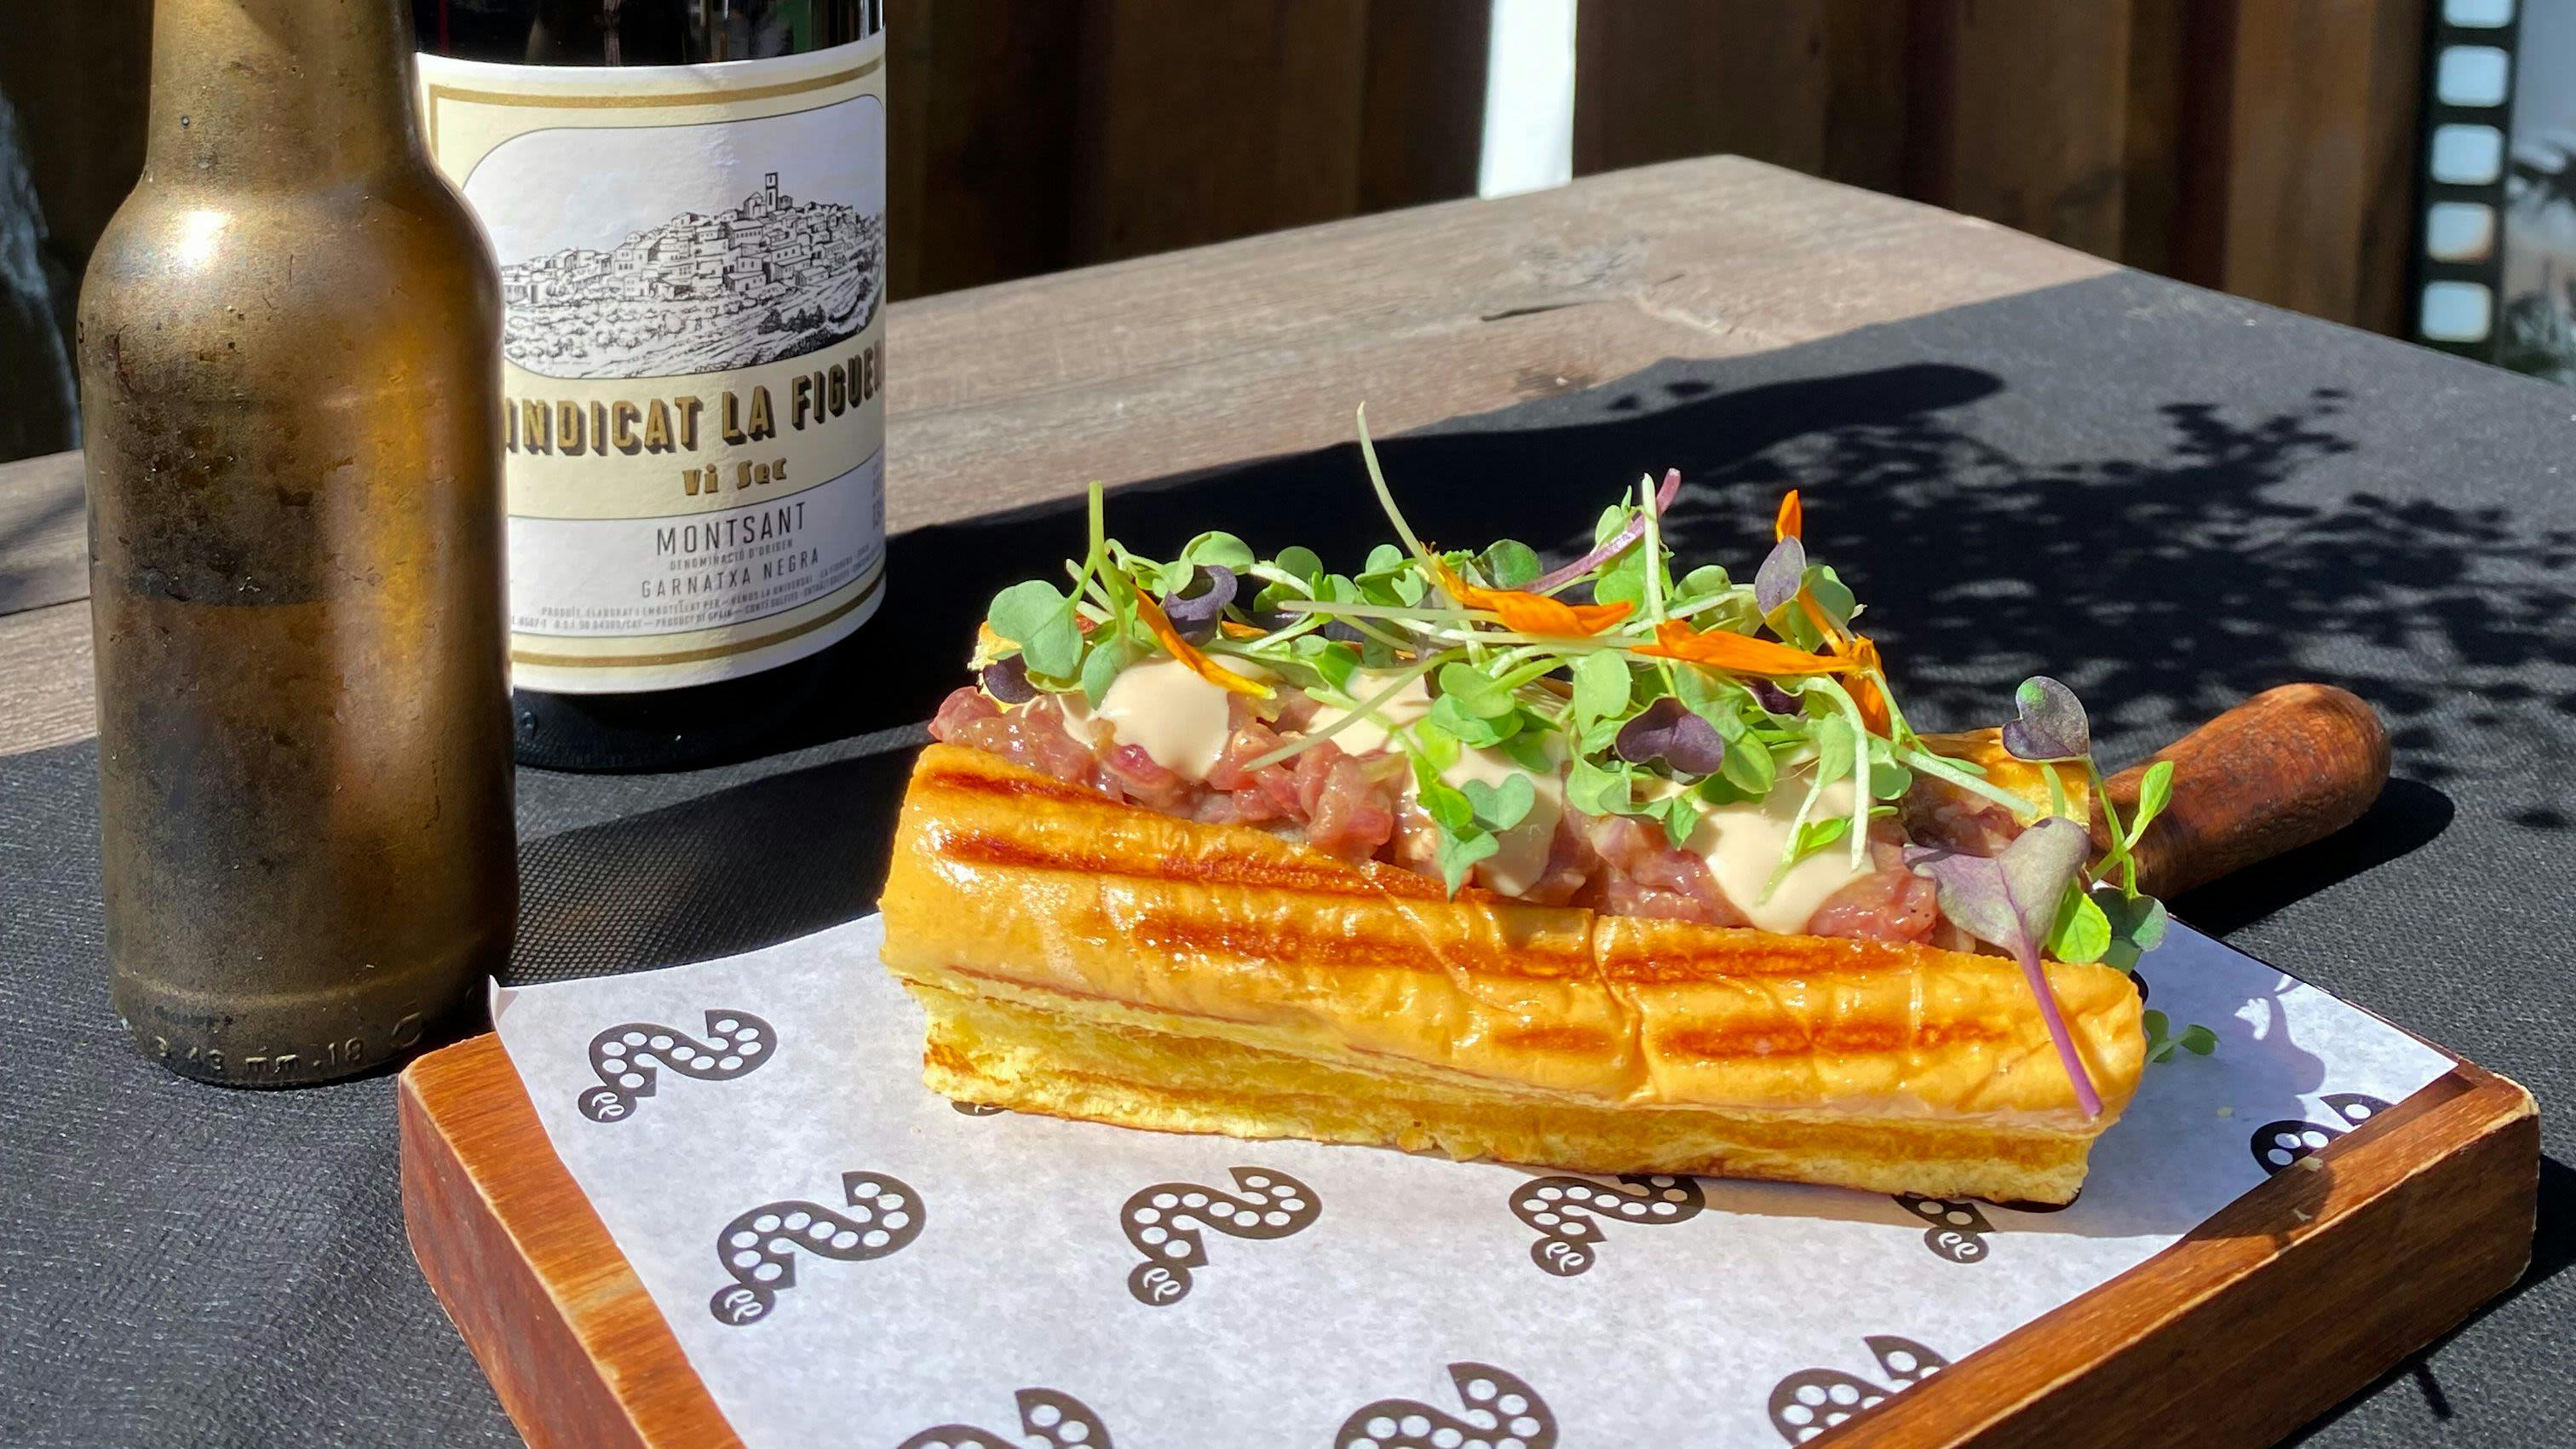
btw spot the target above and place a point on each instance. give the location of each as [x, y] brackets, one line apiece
[47, 694]
[44, 533]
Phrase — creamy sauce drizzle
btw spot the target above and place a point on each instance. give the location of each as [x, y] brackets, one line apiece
[1366, 733]
[1743, 845]
[1520, 856]
[1161, 705]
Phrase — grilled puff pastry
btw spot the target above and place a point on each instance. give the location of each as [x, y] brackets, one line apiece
[1091, 959]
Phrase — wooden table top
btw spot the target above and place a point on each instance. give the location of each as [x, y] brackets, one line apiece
[1025, 391]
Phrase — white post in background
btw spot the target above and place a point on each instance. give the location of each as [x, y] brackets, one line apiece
[1529, 98]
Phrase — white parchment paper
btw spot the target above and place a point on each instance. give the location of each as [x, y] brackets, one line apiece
[848, 1260]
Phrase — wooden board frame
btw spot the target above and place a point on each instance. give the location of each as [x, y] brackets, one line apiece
[2290, 1299]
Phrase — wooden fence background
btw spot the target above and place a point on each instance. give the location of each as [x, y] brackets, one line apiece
[2264, 147]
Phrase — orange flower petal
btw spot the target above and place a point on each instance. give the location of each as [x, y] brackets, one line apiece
[1186, 652]
[1737, 653]
[1864, 690]
[1530, 613]
[1792, 519]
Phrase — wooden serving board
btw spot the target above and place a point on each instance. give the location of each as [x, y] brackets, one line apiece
[2290, 1299]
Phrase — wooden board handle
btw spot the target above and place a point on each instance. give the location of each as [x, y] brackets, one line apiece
[2286, 768]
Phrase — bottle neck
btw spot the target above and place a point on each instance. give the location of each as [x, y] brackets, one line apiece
[262, 90]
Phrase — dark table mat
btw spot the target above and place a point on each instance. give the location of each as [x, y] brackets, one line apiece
[2169, 498]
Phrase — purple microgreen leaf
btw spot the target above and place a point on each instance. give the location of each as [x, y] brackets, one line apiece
[1776, 583]
[1194, 614]
[1007, 680]
[2011, 900]
[1772, 697]
[2051, 725]
[1668, 731]
[1610, 547]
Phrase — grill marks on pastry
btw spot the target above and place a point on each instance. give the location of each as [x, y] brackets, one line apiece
[1672, 1013]
[983, 848]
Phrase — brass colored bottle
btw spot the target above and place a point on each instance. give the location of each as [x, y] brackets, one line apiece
[289, 351]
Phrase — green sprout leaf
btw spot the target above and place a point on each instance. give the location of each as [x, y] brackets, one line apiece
[1477, 693]
[1831, 594]
[1595, 790]
[1600, 687]
[1101, 668]
[1299, 563]
[1025, 608]
[1500, 807]
[1820, 833]
[1681, 820]
[1468, 728]
[1750, 768]
[1528, 749]
[1221, 549]
[1703, 582]
[1510, 563]
[1447, 805]
[2083, 931]
[2136, 924]
[2200, 1041]
[2154, 793]
[1458, 854]
[1038, 617]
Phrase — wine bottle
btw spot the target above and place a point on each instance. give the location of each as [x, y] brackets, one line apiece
[687, 199]
[288, 351]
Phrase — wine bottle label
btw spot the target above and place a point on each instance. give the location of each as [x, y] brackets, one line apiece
[693, 280]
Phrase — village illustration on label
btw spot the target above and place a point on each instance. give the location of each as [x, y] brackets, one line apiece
[769, 279]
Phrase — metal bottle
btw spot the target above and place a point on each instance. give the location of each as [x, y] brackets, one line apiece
[289, 344]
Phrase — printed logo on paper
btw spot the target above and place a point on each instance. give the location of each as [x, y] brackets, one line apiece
[2280, 1144]
[759, 1247]
[1168, 1221]
[1497, 1410]
[629, 1059]
[1958, 1226]
[1568, 1213]
[1810, 1401]
[1047, 1416]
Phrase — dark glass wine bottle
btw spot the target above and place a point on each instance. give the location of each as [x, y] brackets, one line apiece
[687, 200]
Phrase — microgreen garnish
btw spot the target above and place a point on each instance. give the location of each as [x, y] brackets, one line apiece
[1008, 680]
[1777, 581]
[1197, 609]
[2051, 724]
[2011, 900]
[2200, 1041]
[1669, 733]
[1654, 695]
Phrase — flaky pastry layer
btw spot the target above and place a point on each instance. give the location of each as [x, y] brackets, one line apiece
[1095, 959]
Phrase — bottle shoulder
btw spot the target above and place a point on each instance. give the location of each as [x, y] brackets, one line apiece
[206, 294]
[353, 243]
